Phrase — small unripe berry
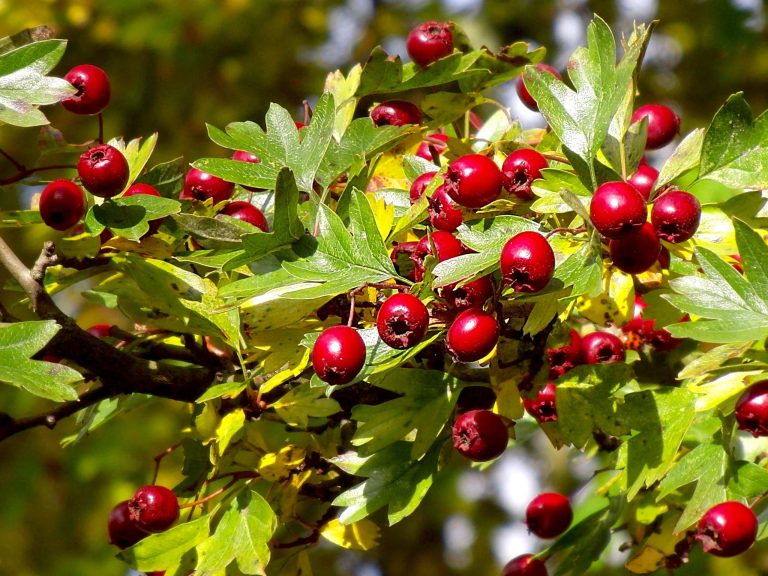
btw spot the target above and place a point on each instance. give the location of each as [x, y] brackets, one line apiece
[246, 212]
[565, 357]
[663, 124]
[524, 565]
[472, 335]
[543, 406]
[520, 168]
[446, 244]
[471, 295]
[62, 204]
[527, 262]
[473, 180]
[433, 141]
[338, 355]
[396, 113]
[479, 435]
[522, 90]
[429, 41]
[636, 252]
[752, 409]
[444, 214]
[602, 348]
[199, 185]
[419, 185]
[643, 180]
[93, 91]
[123, 532]
[154, 508]
[402, 321]
[549, 515]
[617, 208]
[727, 529]
[103, 170]
[675, 216]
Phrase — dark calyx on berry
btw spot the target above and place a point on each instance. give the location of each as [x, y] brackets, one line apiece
[566, 357]
[430, 41]
[402, 321]
[727, 529]
[520, 169]
[154, 508]
[602, 348]
[93, 90]
[543, 406]
[473, 294]
[473, 180]
[123, 532]
[444, 213]
[480, 435]
[527, 262]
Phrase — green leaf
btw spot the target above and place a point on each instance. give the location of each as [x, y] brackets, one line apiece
[158, 551]
[686, 157]
[754, 258]
[129, 217]
[747, 481]
[167, 177]
[303, 402]
[735, 149]
[136, 152]
[548, 188]
[583, 270]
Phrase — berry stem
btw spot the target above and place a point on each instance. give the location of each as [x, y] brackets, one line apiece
[159, 458]
[24, 172]
[307, 112]
[565, 230]
[212, 495]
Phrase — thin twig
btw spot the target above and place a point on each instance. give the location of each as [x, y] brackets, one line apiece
[24, 172]
[159, 458]
[212, 495]
[554, 231]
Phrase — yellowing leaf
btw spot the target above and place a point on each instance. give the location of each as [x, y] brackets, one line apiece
[714, 392]
[279, 349]
[616, 302]
[504, 382]
[207, 422]
[716, 232]
[285, 375]
[289, 494]
[361, 535]
[383, 213]
[661, 543]
[229, 426]
[276, 466]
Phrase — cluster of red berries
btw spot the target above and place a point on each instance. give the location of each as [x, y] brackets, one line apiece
[150, 510]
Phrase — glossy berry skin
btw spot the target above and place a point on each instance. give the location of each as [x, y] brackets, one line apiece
[522, 90]
[473, 180]
[473, 294]
[564, 358]
[444, 214]
[617, 208]
[524, 565]
[543, 406]
[419, 185]
[727, 529]
[752, 409]
[396, 113]
[123, 532]
[429, 41]
[103, 171]
[479, 435]
[199, 185]
[602, 348]
[246, 212]
[62, 204]
[436, 141]
[527, 262]
[663, 124]
[243, 156]
[93, 90]
[402, 321]
[643, 180]
[154, 508]
[472, 335]
[520, 168]
[549, 515]
[675, 216]
[446, 244]
[338, 355]
[636, 252]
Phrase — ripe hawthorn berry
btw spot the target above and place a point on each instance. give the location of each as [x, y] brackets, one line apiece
[637, 251]
[99, 330]
[473, 180]
[472, 335]
[565, 357]
[338, 354]
[663, 124]
[199, 185]
[447, 246]
[93, 90]
[444, 213]
[519, 169]
[154, 508]
[643, 179]
[402, 321]
[527, 262]
[602, 348]
[123, 532]
[429, 41]
[675, 216]
[727, 529]
[752, 409]
[436, 142]
[640, 330]
[419, 185]
[246, 212]
[103, 170]
[243, 156]
[549, 515]
[473, 294]
[480, 435]
[524, 565]
[617, 208]
[396, 113]
[62, 204]
[522, 90]
[543, 406]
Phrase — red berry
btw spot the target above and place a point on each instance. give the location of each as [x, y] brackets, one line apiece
[338, 355]
[473, 294]
[246, 212]
[522, 90]
[675, 216]
[154, 508]
[419, 185]
[100, 330]
[243, 156]
[199, 185]
[123, 532]
[524, 565]
[520, 168]
[429, 41]
[141, 188]
[527, 262]
[549, 515]
[480, 435]
[727, 529]
[446, 244]
[752, 409]
[444, 214]
[62, 204]
[93, 91]
[643, 180]
[396, 113]
[473, 180]
[472, 335]
[617, 208]
[636, 252]
[402, 321]
[602, 348]
[640, 330]
[103, 170]
[565, 357]
[663, 124]
[543, 407]
[433, 141]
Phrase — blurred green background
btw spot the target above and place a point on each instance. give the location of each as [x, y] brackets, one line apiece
[177, 65]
